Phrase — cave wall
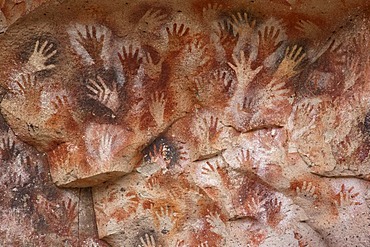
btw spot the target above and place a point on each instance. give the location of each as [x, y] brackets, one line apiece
[185, 123]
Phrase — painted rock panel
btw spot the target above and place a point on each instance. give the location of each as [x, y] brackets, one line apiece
[197, 123]
[34, 212]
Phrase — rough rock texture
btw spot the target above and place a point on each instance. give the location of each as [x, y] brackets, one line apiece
[197, 123]
[12, 10]
[33, 211]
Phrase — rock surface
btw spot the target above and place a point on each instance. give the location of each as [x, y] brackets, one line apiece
[33, 211]
[196, 123]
